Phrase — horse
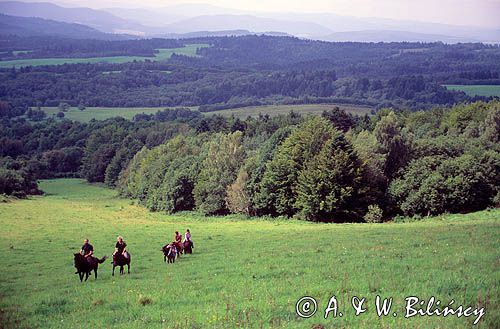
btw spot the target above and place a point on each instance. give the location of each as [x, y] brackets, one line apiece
[168, 253]
[180, 248]
[85, 265]
[188, 247]
[121, 260]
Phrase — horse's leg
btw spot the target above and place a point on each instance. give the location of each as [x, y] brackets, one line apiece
[113, 270]
[128, 268]
[87, 275]
[164, 258]
[95, 273]
[80, 274]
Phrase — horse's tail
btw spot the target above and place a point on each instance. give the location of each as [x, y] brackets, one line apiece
[100, 261]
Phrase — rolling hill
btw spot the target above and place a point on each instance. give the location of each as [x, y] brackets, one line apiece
[97, 19]
[34, 26]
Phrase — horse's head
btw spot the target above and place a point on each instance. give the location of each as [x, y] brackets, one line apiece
[78, 259]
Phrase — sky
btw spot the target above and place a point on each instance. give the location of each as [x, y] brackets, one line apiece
[484, 13]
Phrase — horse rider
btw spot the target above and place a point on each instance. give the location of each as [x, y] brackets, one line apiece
[87, 250]
[187, 237]
[172, 249]
[120, 247]
[178, 240]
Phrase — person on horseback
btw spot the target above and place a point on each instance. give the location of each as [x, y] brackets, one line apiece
[187, 237]
[178, 237]
[87, 250]
[178, 240]
[120, 247]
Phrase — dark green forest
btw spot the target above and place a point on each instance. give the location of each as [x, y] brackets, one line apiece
[335, 167]
[247, 70]
[424, 150]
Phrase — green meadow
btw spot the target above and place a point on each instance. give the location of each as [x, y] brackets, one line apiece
[102, 113]
[274, 110]
[477, 90]
[245, 273]
[162, 55]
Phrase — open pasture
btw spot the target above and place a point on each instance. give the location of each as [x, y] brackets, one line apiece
[244, 272]
[101, 113]
[273, 110]
[162, 55]
[477, 90]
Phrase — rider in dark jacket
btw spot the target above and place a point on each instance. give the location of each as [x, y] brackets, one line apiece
[120, 247]
[87, 249]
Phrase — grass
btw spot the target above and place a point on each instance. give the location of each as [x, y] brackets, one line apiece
[477, 90]
[101, 113]
[273, 110]
[243, 273]
[162, 55]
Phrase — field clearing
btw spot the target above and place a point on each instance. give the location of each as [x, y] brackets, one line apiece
[243, 273]
[162, 55]
[101, 113]
[477, 90]
[274, 110]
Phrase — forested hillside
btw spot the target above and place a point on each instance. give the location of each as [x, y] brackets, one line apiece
[247, 70]
[334, 167]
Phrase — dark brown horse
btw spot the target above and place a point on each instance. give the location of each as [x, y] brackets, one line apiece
[121, 260]
[180, 248]
[85, 265]
[168, 253]
[188, 247]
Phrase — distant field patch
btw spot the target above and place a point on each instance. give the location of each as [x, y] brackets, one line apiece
[477, 90]
[101, 113]
[162, 55]
[273, 110]
[18, 52]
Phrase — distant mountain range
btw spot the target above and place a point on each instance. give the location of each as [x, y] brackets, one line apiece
[393, 36]
[33, 26]
[97, 19]
[204, 20]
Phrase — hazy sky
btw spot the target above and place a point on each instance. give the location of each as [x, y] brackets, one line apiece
[459, 12]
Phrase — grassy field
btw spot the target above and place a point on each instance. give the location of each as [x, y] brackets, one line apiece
[162, 55]
[272, 110]
[243, 273]
[477, 90]
[101, 113]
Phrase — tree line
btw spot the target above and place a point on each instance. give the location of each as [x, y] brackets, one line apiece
[335, 167]
[249, 70]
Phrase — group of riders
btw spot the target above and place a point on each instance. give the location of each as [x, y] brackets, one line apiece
[174, 247]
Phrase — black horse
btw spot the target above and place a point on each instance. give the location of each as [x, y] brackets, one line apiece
[85, 265]
[168, 253]
[121, 260]
[188, 247]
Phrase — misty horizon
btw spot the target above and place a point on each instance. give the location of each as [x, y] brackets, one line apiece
[479, 13]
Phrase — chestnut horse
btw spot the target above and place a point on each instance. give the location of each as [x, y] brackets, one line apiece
[85, 265]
